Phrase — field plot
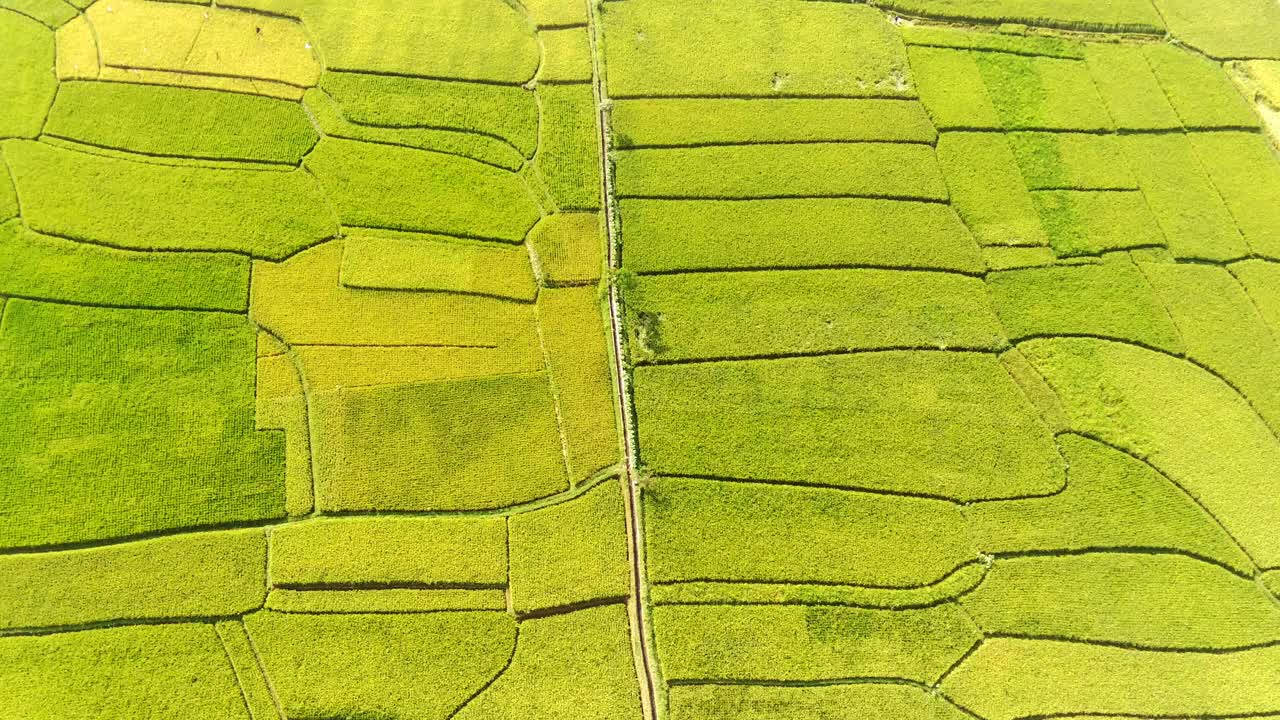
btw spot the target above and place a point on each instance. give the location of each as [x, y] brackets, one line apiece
[953, 454]
[639, 359]
[307, 384]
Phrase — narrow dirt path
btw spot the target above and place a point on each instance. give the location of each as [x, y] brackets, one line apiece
[635, 529]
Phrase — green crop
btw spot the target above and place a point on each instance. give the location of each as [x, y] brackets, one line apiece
[157, 207]
[1088, 222]
[756, 48]
[1016, 44]
[385, 601]
[723, 315]
[1098, 15]
[946, 423]
[703, 530]
[191, 575]
[162, 420]
[1147, 600]
[739, 592]
[855, 701]
[803, 232]
[181, 122]
[1133, 96]
[1237, 29]
[1074, 161]
[568, 156]
[988, 189]
[557, 13]
[566, 56]
[26, 81]
[951, 88]
[1221, 329]
[1186, 205]
[894, 170]
[573, 336]
[430, 192]
[806, 644]
[371, 552]
[1108, 300]
[1261, 279]
[1244, 171]
[51, 268]
[570, 553]
[1111, 500]
[120, 673]
[569, 248]
[354, 665]
[1042, 93]
[696, 121]
[1198, 89]
[575, 665]
[1082, 680]
[1184, 421]
[437, 264]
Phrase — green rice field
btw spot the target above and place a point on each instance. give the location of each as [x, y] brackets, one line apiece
[639, 360]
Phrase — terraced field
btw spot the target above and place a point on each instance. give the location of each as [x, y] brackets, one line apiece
[639, 360]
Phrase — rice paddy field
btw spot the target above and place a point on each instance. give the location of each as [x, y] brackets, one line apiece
[639, 360]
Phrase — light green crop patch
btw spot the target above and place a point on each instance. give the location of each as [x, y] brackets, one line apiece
[429, 192]
[388, 552]
[566, 56]
[1042, 93]
[8, 194]
[49, 268]
[1093, 680]
[570, 553]
[805, 644]
[486, 40]
[1222, 330]
[706, 530]
[1261, 279]
[181, 122]
[557, 13]
[568, 156]
[1245, 171]
[156, 406]
[27, 82]
[506, 112]
[1016, 44]
[1236, 29]
[1112, 16]
[47, 12]
[891, 170]
[352, 665]
[1071, 161]
[755, 48]
[1012, 257]
[1164, 601]
[857, 701]
[447, 445]
[195, 575]
[752, 314]
[575, 665]
[487, 149]
[385, 601]
[569, 248]
[1189, 210]
[988, 190]
[302, 301]
[1090, 222]
[1199, 90]
[736, 592]
[1111, 500]
[156, 207]
[950, 424]
[577, 352]
[1130, 90]
[178, 670]
[1184, 421]
[951, 88]
[804, 232]
[1109, 300]
[439, 265]
[673, 122]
